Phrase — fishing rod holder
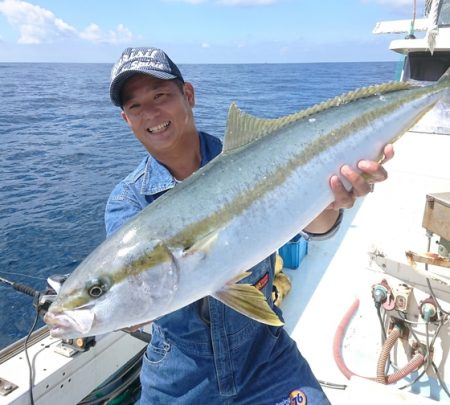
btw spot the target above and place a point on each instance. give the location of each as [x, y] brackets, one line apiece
[70, 347]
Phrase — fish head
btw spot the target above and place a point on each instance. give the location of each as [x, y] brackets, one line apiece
[113, 289]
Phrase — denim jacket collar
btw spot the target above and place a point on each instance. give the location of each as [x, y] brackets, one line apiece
[157, 178]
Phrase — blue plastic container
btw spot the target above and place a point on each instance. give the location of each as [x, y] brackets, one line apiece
[293, 252]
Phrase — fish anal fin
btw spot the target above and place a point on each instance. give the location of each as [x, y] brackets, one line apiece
[249, 301]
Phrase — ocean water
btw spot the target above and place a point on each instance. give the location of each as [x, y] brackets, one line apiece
[64, 147]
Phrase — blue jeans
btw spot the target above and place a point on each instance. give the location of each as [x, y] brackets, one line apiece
[262, 366]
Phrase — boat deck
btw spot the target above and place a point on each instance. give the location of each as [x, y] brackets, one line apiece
[337, 271]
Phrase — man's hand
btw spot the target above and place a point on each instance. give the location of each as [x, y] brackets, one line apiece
[361, 184]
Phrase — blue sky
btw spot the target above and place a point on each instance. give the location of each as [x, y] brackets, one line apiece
[199, 31]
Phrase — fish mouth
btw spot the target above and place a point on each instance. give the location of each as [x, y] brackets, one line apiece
[158, 128]
[69, 324]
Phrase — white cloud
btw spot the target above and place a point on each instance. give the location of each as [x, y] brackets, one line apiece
[38, 25]
[35, 23]
[205, 45]
[93, 33]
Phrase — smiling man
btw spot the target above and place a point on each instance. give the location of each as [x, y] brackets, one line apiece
[159, 112]
[206, 352]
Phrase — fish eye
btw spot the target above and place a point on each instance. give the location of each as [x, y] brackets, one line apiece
[97, 287]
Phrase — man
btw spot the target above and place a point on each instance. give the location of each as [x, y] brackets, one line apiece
[207, 352]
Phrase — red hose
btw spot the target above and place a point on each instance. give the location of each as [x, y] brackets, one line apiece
[339, 337]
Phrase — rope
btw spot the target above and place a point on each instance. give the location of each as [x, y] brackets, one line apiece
[433, 27]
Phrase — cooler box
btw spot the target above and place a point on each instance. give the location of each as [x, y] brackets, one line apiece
[293, 252]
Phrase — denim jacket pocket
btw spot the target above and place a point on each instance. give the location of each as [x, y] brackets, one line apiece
[157, 349]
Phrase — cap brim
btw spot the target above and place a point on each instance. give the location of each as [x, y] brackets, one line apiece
[118, 82]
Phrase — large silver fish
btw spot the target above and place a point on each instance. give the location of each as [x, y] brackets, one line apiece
[199, 238]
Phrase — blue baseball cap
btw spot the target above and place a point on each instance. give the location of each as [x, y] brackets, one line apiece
[149, 61]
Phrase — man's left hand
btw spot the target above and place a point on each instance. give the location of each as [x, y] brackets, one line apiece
[361, 183]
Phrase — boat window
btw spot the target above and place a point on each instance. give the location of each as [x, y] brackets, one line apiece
[426, 67]
[444, 13]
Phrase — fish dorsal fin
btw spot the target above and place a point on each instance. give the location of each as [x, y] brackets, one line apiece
[243, 129]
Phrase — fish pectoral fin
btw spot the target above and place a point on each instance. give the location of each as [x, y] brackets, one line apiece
[249, 301]
[202, 245]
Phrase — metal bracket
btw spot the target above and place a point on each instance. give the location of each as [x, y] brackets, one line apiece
[70, 347]
[65, 350]
[413, 275]
[6, 387]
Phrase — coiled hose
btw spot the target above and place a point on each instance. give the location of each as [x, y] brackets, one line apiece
[412, 365]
